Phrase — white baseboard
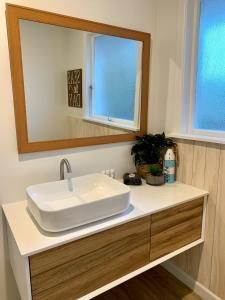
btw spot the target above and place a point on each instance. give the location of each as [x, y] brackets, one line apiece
[195, 286]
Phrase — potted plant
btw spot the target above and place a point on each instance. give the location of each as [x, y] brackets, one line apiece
[155, 175]
[150, 149]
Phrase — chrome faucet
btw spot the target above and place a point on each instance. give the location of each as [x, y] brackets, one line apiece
[65, 162]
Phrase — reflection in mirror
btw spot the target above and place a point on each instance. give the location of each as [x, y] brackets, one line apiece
[79, 84]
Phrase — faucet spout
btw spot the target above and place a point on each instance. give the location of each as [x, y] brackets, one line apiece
[64, 162]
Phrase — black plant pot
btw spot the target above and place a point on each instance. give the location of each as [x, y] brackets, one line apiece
[155, 180]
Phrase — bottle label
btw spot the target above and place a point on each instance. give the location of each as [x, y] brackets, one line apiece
[169, 163]
[170, 170]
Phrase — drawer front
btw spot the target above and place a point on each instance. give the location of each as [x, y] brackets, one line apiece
[77, 268]
[175, 227]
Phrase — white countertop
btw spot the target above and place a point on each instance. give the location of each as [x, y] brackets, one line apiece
[145, 200]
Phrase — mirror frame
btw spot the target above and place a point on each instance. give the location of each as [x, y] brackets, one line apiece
[13, 14]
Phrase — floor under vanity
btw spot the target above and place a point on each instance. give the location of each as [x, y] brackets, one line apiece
[89, 260]
[155, 284]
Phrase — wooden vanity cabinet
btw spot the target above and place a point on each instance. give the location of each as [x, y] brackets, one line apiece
[82, 266]
[72, 270]
[175, 227]
[77, 268]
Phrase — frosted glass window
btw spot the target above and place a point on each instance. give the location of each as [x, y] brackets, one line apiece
[115, 66]
[210, 84]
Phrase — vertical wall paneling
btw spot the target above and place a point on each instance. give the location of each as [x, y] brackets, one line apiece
[184, 174]
[217, 284]
[180, 161]
[187, 168]
[211, 184]
[200, 164]
[193, 256]
[199, 160]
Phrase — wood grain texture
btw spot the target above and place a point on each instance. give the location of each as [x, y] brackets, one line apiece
[80, 128]
[199, 163]
[155, 284]
[13, 14]
[205, 166]
[175, 228]
[193, 256]
[179, 166]
[193, 163]
[77, 268]
[186, 154]
[211, 185]
[217, 284]
[199, 259]
[185, 171]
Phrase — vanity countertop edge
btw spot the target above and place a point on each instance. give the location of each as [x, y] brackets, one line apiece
[145, 200]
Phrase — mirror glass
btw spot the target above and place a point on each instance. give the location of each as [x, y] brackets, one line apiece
[79, 84]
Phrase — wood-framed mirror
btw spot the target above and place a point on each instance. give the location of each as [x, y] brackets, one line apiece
[75, 82]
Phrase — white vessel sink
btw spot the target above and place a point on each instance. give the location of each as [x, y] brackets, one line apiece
[94, 197]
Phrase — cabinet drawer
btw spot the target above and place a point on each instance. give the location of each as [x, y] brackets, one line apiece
[175, 227]
[77, 268]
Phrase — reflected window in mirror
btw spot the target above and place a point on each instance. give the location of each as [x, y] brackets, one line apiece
[115, 81]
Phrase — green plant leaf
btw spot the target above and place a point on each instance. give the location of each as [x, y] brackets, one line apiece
[150, 149]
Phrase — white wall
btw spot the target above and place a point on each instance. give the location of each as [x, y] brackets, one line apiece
[166, 64]
[17, 172]
[48, 52]
[76, 43]
[170, 79]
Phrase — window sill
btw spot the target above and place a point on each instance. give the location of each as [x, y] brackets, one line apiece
[111, 124]
[200, 138]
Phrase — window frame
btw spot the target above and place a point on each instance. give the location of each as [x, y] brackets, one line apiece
[191, 129]
[179, 122]
[89, 110]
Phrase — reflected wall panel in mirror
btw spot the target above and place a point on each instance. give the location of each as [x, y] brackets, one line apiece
[75, 82]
